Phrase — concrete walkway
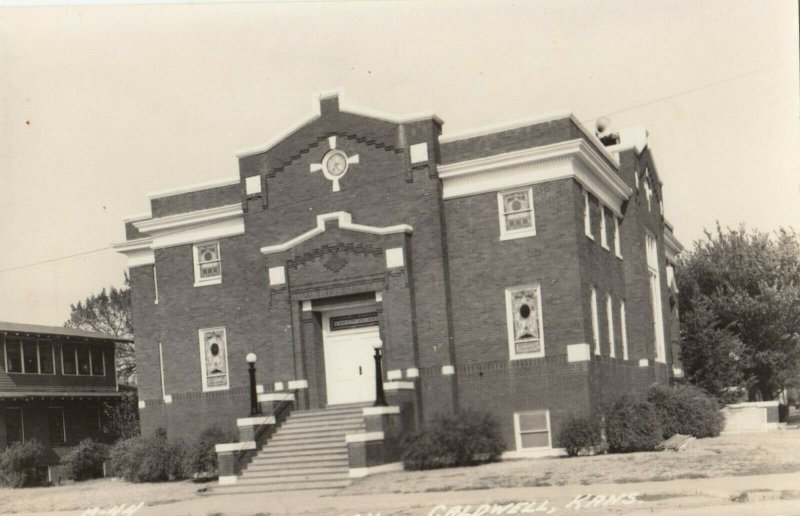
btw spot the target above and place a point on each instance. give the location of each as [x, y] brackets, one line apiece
[764, 495]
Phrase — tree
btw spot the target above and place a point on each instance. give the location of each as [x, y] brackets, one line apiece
[109, 312]
[740, 305]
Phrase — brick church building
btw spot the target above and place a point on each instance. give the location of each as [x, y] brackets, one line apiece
[523, 270]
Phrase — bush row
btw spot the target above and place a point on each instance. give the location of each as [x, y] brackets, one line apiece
[629, 424]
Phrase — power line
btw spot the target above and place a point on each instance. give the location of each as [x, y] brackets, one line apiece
[623, 110]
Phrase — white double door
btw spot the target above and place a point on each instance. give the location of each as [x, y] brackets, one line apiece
[349, 362]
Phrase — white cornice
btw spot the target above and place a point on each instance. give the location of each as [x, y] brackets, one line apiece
[576, 159]
[672, 246]
[189, 218]
[207, 185]
[315, 113]
[505, 126]
[136, 218]
[345, 222]
[129, 246]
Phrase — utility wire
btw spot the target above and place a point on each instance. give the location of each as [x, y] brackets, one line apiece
[623, 110]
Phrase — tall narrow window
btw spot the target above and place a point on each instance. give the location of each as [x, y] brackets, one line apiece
[84, 364]
[30, 357]
[15, 426]
[516, 213]
[207, 264]
[161, 368]
[655, 295]
[46, 359]
[610, 317]
[617, 244]
[524, 319]
[98, 362]
[214, 358]
[13, 355]
[623, 328]
[595, 322]
[587, 216]
[155, 285]
[56, 427]
[68, 360]
[603, 228]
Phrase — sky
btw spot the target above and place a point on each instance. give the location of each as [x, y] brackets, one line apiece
[100, 105]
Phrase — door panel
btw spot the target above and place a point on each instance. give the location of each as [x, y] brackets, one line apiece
[349, 364]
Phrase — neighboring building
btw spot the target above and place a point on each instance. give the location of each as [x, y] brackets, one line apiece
[519, 270]
[54, 382]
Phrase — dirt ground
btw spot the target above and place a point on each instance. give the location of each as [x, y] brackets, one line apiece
[730, 455]
[727, 455]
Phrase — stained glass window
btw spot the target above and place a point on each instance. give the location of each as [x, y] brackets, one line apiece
[525, 320]
[215, 358]
[208, 260]
[517, 211]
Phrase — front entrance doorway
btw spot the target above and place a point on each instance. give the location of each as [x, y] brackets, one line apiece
[348, 339]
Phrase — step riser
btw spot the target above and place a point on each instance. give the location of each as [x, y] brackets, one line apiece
[255, 488]
[310, 477]
[316, 424]
[338, 469]
[296, 432]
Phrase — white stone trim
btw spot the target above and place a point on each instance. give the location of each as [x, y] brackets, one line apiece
[252, 185]
[397, 386]
[298, 384]
[419, 152]
[677, 372]
[228, 480]
[448, 370]
[168, 399]
[575, 159]
[345, 221]
[643, 362]
[315, 113]
[142, 404]
[278, 386]
[259, 389]
[137, 217]
[276, 396]
[394, 258]
[672, 246]
[394, 374]
[579, 353]
[383, 468]
[191, 218]
[750, 404]
[378, 296]
[363, 437]
[306, 306]
[234, 447]
[412, 372]
[197, 187]
[255, 421]
[277, 276]
[139, 252]
[380, 411]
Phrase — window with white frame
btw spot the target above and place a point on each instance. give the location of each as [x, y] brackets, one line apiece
[524, 318]
[603, 228]
[623, 329]
[587, 216]
[655, 295]
[207, 264]
[595, 322]
[532, 429]
[214, 358]
[617, 243]
[610, 318]
[516, 213]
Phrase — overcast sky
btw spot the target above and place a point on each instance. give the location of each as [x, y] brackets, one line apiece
[103, 104]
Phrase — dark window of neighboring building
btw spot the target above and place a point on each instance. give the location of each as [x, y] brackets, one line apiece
[55, 424]
[30, 356]
[68, 357]
[13, 356]
[98, 364]
[14, 429]
[83, 360]
[92, 419]
[46, 358]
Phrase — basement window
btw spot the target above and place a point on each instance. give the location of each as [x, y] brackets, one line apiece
[532, 430]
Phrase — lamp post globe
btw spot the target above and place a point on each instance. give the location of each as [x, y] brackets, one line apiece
[251, 358]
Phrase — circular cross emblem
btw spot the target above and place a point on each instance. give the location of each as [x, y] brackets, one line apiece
[335, 163]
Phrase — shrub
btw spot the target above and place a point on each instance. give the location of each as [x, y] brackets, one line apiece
[461, 439]
[201, 458]
[685, 409]
[148, 459]
[580, 434]
[631, 425]
[18, 463]
[86, 460]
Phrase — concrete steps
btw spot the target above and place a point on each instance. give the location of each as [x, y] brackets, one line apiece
[308, 452]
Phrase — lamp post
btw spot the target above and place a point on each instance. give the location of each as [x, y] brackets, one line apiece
[255, 408]
[380, 397]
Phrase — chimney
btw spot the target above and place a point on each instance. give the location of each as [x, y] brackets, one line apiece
[328, 104]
